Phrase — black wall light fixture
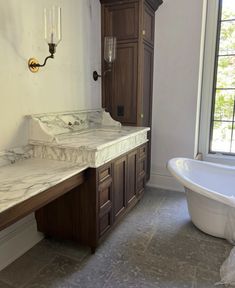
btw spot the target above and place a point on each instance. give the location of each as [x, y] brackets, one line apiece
[53, 36]
[110, 47]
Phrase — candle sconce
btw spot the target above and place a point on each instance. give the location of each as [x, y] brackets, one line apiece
[110, 47]
[52, 22]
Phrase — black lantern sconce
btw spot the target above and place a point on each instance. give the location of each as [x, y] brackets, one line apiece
[110, 47]
[52, 21]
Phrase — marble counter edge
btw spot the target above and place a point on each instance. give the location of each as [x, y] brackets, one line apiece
[41, 185]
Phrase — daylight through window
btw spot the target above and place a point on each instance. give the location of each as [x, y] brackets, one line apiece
[222, 134]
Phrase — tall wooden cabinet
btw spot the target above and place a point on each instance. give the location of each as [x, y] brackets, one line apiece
[127, 89]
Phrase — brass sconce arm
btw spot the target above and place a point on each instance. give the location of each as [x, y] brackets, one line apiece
[33, 63]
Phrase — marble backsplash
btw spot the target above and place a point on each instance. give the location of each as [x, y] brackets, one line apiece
[46, 127]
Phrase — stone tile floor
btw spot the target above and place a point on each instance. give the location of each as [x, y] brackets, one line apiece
[156, 245]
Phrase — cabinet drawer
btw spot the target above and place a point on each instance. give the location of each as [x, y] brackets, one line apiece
[105, 223]
[105, 197]
[104, 173]
[141, 185]
[142, 167]
[142, 151]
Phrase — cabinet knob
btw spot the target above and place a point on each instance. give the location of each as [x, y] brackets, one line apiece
[141, 115]
[143, 32]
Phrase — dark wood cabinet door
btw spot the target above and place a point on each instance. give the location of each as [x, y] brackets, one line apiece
[148, 54]
[123, 88]
[120, 19]
[119, 186]
[132, 163]
[148, 24]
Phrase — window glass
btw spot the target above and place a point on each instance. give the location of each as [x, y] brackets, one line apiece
[222, 135]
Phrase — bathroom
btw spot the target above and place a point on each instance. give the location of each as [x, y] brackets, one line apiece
[155, 244]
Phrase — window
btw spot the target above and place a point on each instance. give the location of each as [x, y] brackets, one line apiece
[222, 132]
[217, 120]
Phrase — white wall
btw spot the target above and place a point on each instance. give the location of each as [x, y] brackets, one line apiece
[177, 55]
[65, 83]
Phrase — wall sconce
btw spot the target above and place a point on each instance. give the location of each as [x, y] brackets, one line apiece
[52, 22]
[110, 47]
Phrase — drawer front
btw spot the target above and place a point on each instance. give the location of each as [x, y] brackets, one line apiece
[105, 194]
[105, 197]
[141, 185]
[104, 173]
[143, 151]
[105, 222]
[142, 167]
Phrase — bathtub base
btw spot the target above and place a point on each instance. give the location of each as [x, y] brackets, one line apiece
[208, 215]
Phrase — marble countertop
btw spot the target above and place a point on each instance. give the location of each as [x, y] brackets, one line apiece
[27, 178]
[91, 138]
[95, 138]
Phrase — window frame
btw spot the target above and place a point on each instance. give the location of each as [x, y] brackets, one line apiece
[208, 75]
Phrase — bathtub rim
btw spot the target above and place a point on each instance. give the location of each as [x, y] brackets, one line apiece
[190, 184]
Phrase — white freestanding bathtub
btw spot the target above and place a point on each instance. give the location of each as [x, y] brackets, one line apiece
[210, 192]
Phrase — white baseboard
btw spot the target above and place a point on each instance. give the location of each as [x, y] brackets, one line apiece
[164, 181]
[18, 239]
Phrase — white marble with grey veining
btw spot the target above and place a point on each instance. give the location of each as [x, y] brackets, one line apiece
[24, 179]
[13, 155]
[91, 142]
[47, 127]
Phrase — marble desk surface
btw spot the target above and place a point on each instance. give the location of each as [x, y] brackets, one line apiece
[27, 178]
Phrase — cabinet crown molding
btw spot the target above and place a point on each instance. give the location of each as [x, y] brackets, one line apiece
[153, 3]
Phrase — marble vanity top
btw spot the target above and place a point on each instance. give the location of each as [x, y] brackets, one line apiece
[27, 178]
[88, 138]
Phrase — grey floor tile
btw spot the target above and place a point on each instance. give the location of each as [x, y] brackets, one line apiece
[152, 272]
[156, 245]
[55, 274]
[181, 245]
[62, 247]
[206, 278]
[4, 285]
[25, 267]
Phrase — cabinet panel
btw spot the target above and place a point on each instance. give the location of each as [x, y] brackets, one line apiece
[132, 164]
[121, 20]
[124, 84]
[119, 186]
[148, 54]
[105, 223]
[148, 29]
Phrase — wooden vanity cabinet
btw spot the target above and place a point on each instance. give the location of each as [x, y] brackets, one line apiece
[127, 90]
[89, 211]
[120, 185]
